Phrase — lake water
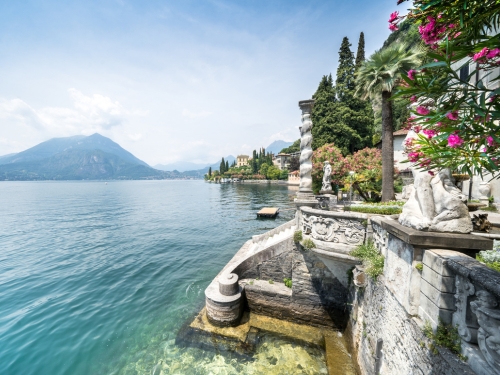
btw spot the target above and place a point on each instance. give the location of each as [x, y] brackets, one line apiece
[98, 278]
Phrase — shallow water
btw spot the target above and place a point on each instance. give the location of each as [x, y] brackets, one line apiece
[98, 279]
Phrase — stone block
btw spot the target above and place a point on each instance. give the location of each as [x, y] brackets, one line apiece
[434, 261]
[440, 299]
[428, 311]
[444, 284]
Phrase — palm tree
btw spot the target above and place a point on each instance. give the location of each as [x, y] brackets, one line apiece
[380, 74]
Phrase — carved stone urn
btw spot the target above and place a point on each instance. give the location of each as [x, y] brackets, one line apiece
[484, 190]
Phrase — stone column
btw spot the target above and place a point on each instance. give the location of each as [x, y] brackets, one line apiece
[305, 195]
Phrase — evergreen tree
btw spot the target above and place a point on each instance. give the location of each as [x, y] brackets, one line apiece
[227, 165]
[210, 172]
[360, 55]
[255, 167]
[222, 166]
[339, 117]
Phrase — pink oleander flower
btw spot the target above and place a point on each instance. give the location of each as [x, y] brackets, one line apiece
[431, 173]
[411, 74]
[452, 115]
[481, 54]
[455, 141]
[413, 156]
[439, 124]
[417, 129]
[429, 133]
[492, 98]
[493, 53]
[425, 162]
[413, 99]
[393, 17]
[490, 140]
[393, 27]
[422, 110]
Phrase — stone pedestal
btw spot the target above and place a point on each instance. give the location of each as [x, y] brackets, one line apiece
[224, 305]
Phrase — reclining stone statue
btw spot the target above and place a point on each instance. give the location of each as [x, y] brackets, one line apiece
[436, 204]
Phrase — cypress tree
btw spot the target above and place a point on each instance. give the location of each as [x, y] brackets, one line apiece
[338, 117]
[210, 172]
[227, 165]
[222, 166]
[360, 55]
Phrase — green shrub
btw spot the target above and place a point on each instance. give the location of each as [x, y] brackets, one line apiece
[446, 336]
[490, 258]
[489, 208]
[308, 244]
[419, 266]
[297, 236]
[376, 210]
[372, 259]
[288, 282]
[271, 282]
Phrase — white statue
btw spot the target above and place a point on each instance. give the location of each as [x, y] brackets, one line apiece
[327, 171]
[436, 204]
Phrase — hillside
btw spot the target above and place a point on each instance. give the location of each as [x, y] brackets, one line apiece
[76, 158]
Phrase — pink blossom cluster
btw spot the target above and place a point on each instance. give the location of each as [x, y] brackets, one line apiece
[432, 32]
[421, 110]
[394, 19]
[452, 115]
[411, 74]
[455, 141]
[414, 156]
[486, 54]
[429, 133]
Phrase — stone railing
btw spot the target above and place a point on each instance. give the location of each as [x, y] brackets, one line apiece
[450, 288]
[465, 293]
[342, 228]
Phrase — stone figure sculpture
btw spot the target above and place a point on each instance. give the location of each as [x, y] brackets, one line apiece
[488, 318]
[327, 171]
[436, 204]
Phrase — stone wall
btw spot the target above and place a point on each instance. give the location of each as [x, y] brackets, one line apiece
[317, 297]
[396, 306]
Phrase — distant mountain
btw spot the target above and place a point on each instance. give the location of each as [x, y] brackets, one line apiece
[198, 171]
[180, 166]
[277, 146]
[76, 158]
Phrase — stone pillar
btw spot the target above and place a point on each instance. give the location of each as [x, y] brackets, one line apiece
[305, 195]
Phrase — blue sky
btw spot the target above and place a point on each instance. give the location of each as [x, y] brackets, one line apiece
[171, 80]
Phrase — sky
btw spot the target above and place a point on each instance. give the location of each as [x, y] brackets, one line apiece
[178, 80]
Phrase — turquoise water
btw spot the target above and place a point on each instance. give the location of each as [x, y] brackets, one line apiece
[98, 278]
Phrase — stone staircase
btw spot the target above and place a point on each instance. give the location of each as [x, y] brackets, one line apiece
[272, 237]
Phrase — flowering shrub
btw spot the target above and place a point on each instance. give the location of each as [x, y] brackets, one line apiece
[366, 165]
[456, 117]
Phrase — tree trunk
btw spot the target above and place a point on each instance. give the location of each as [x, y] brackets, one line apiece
[387, 148]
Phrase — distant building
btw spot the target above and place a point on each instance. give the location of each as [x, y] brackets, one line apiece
[294, 178]
[241, 160]
[282, 161]
[398, 146]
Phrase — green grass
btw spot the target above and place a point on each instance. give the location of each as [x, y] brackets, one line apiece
[297, 236]
[308, 244]
[288, 282]
[372, 259]
[489, 208]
